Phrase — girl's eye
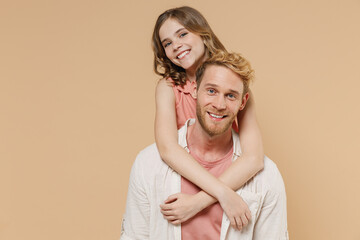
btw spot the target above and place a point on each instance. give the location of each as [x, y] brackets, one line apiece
[183, 34]
[167, 44]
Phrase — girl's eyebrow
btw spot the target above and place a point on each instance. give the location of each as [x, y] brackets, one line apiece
[177, 31]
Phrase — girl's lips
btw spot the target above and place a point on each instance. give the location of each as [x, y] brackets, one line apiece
[182, 54]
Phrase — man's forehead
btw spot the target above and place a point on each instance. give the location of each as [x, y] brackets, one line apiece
[221, 76]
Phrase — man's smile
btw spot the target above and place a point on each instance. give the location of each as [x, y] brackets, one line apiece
[216, 117]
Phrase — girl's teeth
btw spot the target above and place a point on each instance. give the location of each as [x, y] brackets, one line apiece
[183, 54]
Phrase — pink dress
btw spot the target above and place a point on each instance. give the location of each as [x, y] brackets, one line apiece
[185, 103]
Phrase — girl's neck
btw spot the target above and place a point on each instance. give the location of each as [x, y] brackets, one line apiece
[191, 75]
[191, 72]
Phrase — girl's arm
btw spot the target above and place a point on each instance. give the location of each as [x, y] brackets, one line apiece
[246, 166]
[251, 160]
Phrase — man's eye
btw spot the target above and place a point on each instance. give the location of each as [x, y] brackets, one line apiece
[211, 91]
[231, 95]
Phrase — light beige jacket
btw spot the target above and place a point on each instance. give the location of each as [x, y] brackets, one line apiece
[152, 181]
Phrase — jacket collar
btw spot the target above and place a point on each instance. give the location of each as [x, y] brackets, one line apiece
[183, 143]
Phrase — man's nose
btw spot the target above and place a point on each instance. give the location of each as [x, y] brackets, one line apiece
[219, 103]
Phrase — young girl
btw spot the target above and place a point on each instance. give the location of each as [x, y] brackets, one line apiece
[182, 40]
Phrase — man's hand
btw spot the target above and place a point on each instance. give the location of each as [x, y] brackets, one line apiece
[235, 209]
[180, 207]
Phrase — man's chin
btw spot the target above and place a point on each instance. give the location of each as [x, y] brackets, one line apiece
[217, 130]
[214, 127]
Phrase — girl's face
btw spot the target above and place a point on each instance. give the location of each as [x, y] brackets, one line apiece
[182, 47]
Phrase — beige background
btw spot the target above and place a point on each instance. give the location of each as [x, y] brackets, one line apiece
[77, 104]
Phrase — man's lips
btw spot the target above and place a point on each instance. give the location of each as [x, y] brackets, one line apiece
[216, 117]
[182, 54]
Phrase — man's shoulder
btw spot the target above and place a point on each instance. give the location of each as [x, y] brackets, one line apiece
[149, 150]
[149, 162]
[270, 166]
[270, 177]
[149, 166]
[148, 155]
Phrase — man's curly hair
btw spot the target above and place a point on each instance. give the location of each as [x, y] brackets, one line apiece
[234, 61]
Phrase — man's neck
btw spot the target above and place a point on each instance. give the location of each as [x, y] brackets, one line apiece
[208, 148]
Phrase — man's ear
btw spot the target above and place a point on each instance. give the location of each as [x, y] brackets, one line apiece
[245, 98]
[194, 93]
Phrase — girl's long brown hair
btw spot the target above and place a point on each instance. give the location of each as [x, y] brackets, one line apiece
[193, 21]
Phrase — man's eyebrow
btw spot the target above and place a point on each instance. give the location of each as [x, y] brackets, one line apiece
[211, 85]
[177, 31]
[234, 92]
[215, 86]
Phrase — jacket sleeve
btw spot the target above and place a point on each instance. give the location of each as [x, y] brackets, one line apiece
[272, 221]
[137, 214]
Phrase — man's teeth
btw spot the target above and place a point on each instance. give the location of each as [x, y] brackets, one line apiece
[216, 116]
[182, 54]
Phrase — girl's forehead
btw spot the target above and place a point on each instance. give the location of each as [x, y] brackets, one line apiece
[172, 21]
[169, 27]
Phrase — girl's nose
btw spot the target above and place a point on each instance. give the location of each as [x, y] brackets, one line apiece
[176, 45]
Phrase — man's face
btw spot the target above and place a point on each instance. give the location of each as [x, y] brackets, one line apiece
[219, 98]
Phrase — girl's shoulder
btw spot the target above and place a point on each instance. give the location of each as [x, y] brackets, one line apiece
[187, 88]
[166, 82]
[164, 87]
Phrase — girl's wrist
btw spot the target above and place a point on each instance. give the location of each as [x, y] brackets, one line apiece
[203, 200]
[223, 193]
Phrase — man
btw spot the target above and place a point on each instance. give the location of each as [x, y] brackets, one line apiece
[221, 93]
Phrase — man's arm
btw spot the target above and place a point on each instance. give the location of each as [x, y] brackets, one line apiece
[271, 223]
[136, 221]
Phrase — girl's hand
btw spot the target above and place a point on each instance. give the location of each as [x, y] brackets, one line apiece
[180, 207]
[235, 209]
